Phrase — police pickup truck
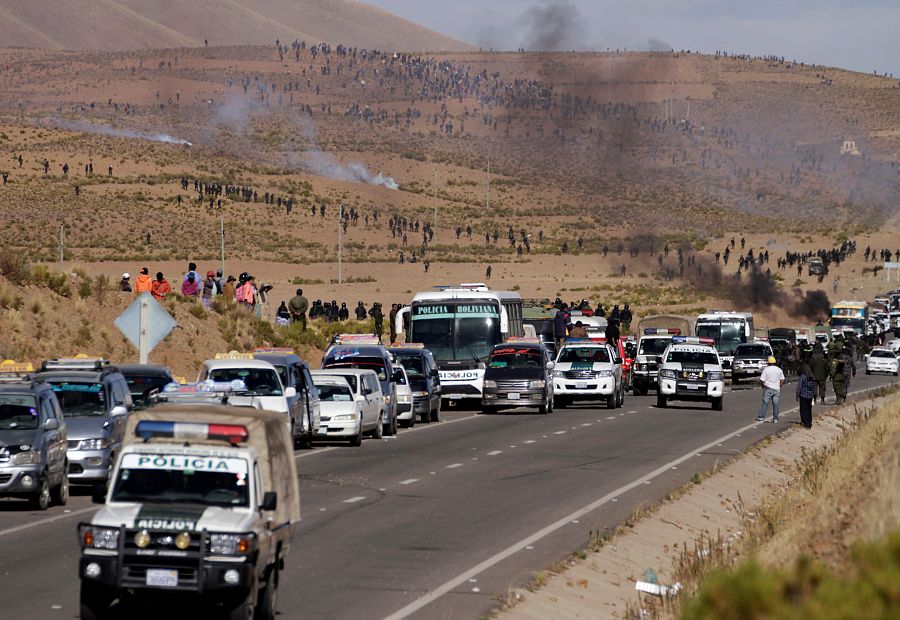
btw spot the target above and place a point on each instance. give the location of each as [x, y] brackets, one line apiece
[690, 370]
[200, 505]
[651, 345]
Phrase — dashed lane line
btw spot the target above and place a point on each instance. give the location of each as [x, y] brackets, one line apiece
[353, 500]
[410, 481]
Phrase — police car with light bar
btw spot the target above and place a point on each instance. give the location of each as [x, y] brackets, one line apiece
[651, 345]
[690, 370]
[201, 503]
[588, 369]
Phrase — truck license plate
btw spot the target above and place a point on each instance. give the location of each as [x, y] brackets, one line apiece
[513, 396]
[162, 578]
[455, 397]
[693, 387]
[581, 385]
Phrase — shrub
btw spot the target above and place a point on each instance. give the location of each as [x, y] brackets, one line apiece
[14, 266]
[85, 287]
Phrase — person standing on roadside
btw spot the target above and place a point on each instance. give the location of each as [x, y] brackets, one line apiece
[143, 283]
[361, 312]
[298, 305]
[819, 367]
[806, 394]
[125, 283]
[376, 313]
[771, 378]
[209, 288]
[392, 317]
[160, 287]
[560, 324]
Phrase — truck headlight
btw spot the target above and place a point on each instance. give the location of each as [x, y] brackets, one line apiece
[231, 544]
[559, 374]
[640, 366]
[93, 537]
[603, 373]
[420, 394]
[715, 375]
[536, 385]
[404, 398]
[27, 457]
[490, 385]
[387, 399]
[667, 373]
[100, 443]
[344, 416]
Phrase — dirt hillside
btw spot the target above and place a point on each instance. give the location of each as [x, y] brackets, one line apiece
[145, 24]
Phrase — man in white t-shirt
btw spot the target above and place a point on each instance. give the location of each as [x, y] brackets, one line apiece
[772, 378]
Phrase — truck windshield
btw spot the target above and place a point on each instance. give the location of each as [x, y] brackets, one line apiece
[726, 335]
[654, 346]
[361, 363]
[182, 479]
[584, 354]
[18, 412]
[80, 399]
[413, 365]
[456, 331]
[692, 358]
[259, 381]
[517, 358]
[753, 350]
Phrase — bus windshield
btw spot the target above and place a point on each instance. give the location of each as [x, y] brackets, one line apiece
[726, 335]
[457, 330]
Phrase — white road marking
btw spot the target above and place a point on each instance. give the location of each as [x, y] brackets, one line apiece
[530, 441]
[588, 424]
[455, 582]
[454, 465]
[495, 453]
[612, 417]
[560, 433]
[353, 500]
[410, 481]
[28, 526]
[633, 411]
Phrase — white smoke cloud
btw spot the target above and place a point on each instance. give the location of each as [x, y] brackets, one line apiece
[108, 130]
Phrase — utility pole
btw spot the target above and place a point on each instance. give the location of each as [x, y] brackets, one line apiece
[434, 170]
[62, 248]
[340, 223]
[488, 186]
[222, 239]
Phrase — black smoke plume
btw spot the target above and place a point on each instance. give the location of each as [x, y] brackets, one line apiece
[553, 26]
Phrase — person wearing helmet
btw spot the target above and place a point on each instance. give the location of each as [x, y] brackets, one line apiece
[125, 283]
[344, 312]
[771, 378]
[625, 318]
[361, 312]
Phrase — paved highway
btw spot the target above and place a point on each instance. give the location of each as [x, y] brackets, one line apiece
[442, 521]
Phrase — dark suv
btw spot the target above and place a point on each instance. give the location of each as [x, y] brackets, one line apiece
[95, 400]
[422, 372]
[367, 355]
[518, 374]
[749, 360]
[32, 441]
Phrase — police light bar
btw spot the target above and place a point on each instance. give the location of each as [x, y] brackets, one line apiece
[662, 331]
[79, 362]
[12, 367]
[407, 345]
[273, 350]
[234, 355]
[692, 340]
[584, 340]
[150, 429]
[523, 339]
[356, 339]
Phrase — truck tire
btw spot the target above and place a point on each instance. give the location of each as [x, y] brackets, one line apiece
[94, 600]
[41, 499]
[612, 400]
[378, 432]
[718, 403]
[660, 401]
[244, 609]
[436, 414]
[267, 608]
[60, 493]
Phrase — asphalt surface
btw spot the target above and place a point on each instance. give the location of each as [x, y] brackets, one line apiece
[442, 521]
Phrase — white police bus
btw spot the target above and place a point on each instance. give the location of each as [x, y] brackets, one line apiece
[460, 326]
[727, 330]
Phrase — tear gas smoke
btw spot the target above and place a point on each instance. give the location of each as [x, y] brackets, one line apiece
[327, 165]
[108, 130]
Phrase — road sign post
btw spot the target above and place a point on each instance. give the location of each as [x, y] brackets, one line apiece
[145, 324]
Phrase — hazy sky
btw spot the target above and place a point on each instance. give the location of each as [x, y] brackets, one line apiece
[863, 35]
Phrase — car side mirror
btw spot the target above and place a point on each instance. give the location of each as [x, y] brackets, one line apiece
[659, 359]
[119, 410]
[270, 501]
[551, 365]
[290, 392]
[51, 425]
[98, 494]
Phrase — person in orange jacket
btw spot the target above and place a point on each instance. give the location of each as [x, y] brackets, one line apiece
[144, 283]
[161, 287]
